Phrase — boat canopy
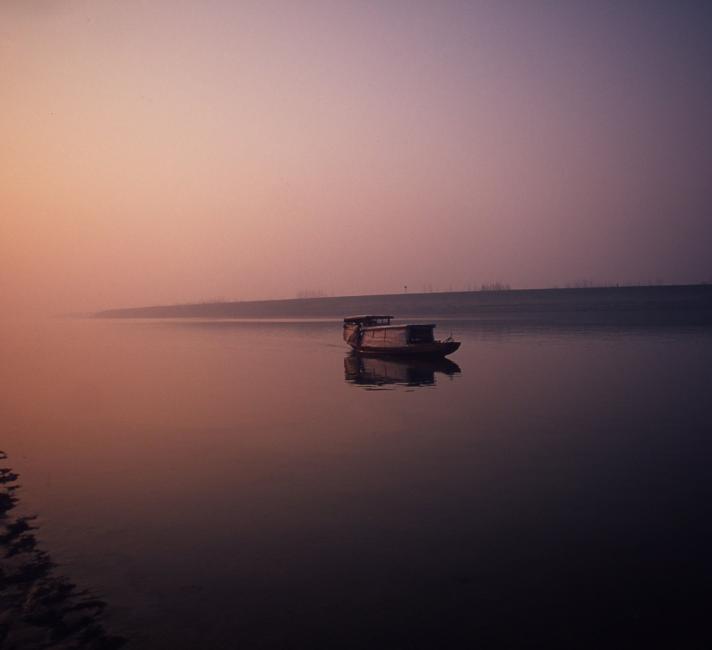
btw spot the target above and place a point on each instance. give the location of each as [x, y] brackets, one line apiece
[368, 320]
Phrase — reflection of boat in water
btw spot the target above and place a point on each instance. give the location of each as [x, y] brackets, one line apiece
[376, 335]
[408, 371]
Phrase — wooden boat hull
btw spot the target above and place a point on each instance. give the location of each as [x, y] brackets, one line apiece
[434, 349]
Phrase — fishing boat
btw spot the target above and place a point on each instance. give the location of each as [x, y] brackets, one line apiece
[376, 335]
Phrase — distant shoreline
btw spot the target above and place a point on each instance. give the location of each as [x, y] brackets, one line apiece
[686, 304]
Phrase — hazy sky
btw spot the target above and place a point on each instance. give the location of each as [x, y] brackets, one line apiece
[159, 152]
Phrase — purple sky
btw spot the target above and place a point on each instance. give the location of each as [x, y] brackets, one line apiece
[158, 152]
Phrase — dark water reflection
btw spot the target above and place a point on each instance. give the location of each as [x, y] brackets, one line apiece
[383, 371]
[228, 485]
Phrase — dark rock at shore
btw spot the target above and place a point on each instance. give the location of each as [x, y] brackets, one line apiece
[38, 607]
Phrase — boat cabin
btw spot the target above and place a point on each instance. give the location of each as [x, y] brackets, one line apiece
[370, 332]
[396, 335]
[375, 335]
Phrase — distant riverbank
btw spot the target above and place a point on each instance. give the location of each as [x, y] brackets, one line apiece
[680, 305]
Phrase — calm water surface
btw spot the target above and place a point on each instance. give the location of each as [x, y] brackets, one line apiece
[249, 484]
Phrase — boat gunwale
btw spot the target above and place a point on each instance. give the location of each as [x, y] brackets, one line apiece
[436, 348]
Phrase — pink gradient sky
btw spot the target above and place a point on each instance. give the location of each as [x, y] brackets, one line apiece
[159, 152]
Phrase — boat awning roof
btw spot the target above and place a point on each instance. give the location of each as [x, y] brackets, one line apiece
[364, 318]
[399, 327]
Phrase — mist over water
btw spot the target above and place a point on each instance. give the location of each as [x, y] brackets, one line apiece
[226, 484]
[163, 152]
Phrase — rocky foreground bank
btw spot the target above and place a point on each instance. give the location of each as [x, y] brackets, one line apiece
[38, 607]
